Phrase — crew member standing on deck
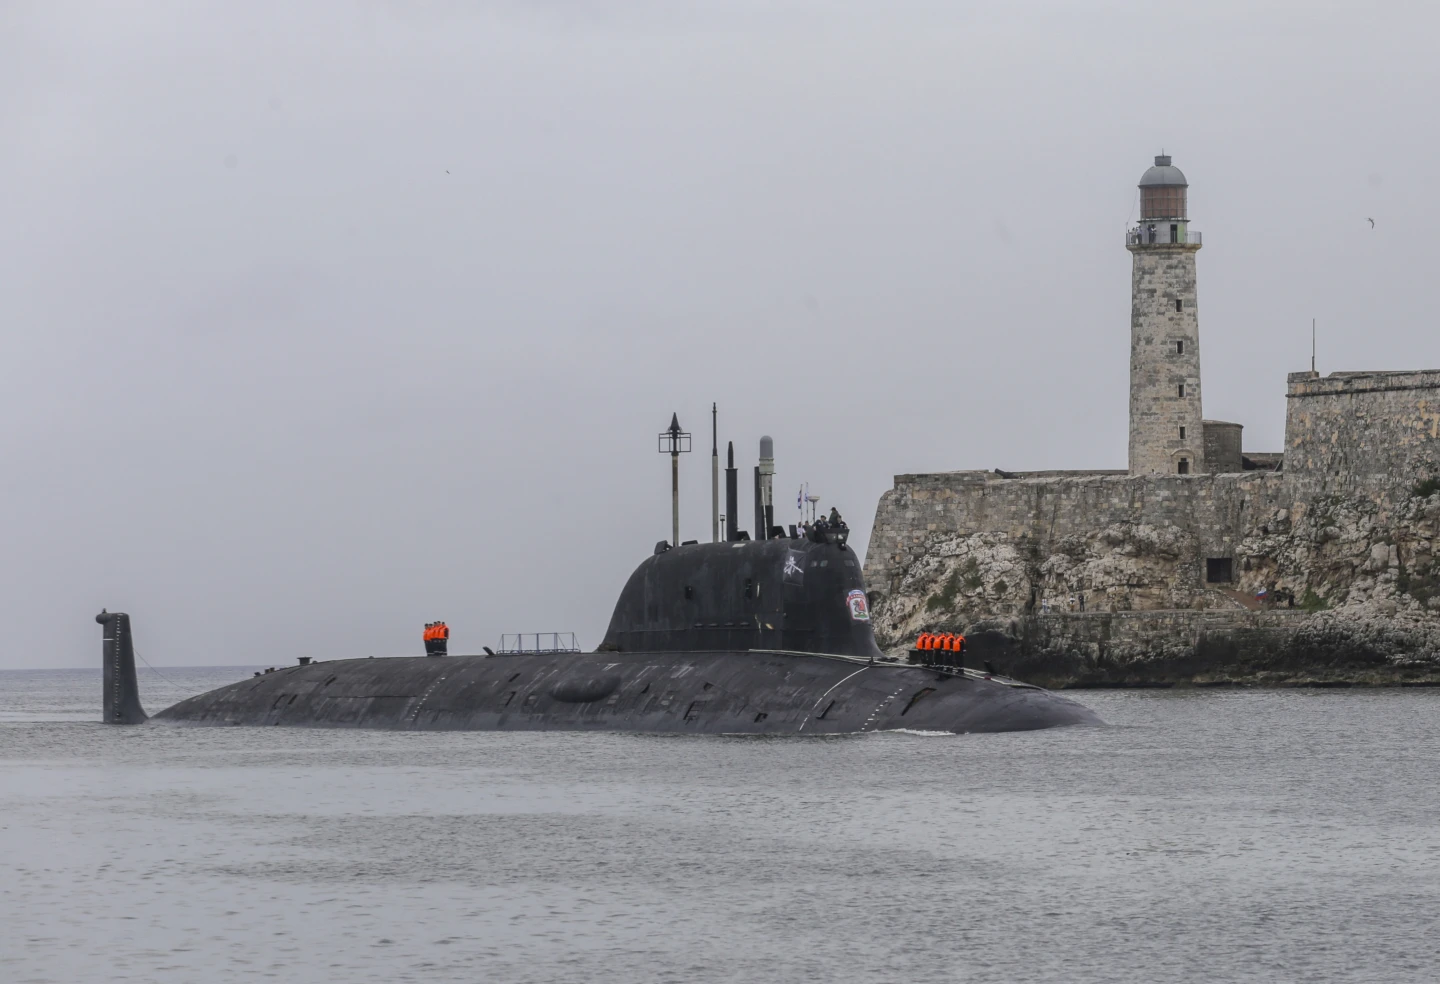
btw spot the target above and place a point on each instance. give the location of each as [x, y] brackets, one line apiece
[437, 637]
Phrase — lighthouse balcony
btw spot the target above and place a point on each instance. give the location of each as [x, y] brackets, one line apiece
[1162, 234]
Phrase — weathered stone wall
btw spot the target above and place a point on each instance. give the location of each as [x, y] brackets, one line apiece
[1196, 517]
[1361, 430]
[957, 551]
[1164, 358]
[1222, 446]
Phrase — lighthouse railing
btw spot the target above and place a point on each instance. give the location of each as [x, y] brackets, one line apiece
[1160, 236]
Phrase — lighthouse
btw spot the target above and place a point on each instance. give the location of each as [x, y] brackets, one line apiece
[1166, 426]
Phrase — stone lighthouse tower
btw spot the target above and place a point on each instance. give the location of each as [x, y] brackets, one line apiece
[1166, 427]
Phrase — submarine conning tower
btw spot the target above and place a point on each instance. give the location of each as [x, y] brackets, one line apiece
[795, 594]
[122, 693]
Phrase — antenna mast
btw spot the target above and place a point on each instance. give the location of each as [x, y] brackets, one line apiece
[675, 442]
[714, 475]
[1312, 344]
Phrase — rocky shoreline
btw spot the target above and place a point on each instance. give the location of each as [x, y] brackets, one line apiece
[1359, 576]
[1329, 649]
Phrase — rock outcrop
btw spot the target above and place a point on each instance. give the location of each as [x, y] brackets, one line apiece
[1340, 589]
[1349, 552]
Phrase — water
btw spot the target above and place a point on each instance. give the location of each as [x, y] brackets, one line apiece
[1240, 836]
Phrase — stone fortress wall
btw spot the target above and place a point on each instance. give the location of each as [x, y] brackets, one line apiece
[1354, 429]
[1378, 430]
[1077, 569]
[1039, 514]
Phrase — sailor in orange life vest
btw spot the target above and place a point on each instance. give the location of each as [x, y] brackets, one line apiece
[949, 642]
[436, 637]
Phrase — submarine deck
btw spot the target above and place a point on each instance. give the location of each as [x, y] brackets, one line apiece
[706, 692]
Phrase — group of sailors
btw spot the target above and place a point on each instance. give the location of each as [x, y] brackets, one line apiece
[436, 638]
[820, 530]
[950, 642]
[943, 649]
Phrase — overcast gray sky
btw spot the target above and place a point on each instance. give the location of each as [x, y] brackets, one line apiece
[322, 320]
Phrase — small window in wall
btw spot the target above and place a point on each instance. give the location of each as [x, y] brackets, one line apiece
[1184, 467]
[1182, 432]
[1177, 303]
[1180, 347]
[1219, 570]
[1182, 389]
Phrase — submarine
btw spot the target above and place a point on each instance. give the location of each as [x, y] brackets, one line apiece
[748, 637]
[736, 636]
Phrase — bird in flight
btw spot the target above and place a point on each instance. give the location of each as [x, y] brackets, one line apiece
[1371, 221]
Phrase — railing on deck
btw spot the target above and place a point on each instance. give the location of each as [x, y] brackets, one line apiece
[1140, 236]
[538, 642]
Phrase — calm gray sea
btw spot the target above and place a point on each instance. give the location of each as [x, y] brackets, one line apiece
[1237, 836]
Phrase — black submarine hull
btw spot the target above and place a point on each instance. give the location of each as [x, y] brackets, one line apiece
[768, 637]
[722, 692]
